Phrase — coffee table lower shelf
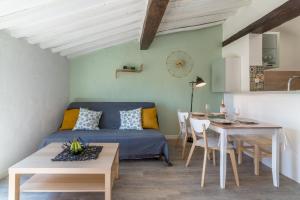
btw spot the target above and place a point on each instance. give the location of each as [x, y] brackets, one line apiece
[64, 183]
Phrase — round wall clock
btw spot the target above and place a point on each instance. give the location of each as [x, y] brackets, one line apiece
[179, 64]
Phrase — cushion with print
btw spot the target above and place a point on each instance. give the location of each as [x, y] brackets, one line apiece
[131, 119]
[88, 120]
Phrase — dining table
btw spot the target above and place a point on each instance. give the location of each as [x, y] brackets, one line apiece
[237, 128]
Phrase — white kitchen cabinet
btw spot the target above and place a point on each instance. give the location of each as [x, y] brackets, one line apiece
[226, 75]
[255, 49]
[270, 55]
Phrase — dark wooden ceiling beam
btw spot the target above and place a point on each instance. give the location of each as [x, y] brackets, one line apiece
[282, 14]
[154, 15]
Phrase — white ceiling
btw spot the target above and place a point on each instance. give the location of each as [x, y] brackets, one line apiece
[77, 27]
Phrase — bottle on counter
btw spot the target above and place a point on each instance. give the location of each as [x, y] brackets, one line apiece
[223, 108]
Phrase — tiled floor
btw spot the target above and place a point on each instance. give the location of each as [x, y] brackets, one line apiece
[151, 180]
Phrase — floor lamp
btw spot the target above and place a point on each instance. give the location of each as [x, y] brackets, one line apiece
[196, 84]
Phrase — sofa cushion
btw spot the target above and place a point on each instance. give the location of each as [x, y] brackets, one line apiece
[149, 118]
[110, 111]
[88, 120]
[70, 119]
[131, 119]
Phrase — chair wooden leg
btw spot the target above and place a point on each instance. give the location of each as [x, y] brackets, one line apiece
[234, 167]
[257, 158]
[214, 157]
[240, 151]
[190, 155]
[204, 167]
[178, 138]
[184, 141]
[208, 154]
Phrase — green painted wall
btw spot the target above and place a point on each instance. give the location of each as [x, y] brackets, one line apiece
[93, 75]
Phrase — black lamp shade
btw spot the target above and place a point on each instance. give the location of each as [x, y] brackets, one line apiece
[200, 82]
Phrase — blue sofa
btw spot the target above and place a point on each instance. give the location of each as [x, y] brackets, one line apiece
[134, 144]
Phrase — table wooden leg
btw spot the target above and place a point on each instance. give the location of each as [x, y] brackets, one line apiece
[108, 186]
[117, 165]
[184, 141]
[257, 158]
[275, 157]
[240, 145]
[214, 157]
[223, 158]
[14, 186]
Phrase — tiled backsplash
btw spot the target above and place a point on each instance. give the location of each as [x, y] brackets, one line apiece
[257, 78]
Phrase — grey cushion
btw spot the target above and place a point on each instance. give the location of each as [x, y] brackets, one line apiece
[110, 118]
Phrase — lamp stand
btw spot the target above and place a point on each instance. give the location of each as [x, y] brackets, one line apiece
[192, 96]
[198, 83]
[190, 139]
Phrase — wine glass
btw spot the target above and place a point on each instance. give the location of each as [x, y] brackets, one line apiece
[237, 112]
[207, 108]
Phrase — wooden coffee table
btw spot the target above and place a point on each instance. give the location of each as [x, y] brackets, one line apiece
[76, 176]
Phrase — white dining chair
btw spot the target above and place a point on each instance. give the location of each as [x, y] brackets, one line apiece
[184, 130]
[201, 139]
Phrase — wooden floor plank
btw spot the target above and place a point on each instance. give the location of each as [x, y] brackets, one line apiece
[152, 180]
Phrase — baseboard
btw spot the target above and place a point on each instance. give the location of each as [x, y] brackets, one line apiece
[171, 137]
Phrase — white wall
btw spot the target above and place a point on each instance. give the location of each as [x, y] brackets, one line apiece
[34, 89]
[277, 108]
[289, 45]
[289, 48]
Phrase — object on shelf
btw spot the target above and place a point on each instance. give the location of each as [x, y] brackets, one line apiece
[130, 69]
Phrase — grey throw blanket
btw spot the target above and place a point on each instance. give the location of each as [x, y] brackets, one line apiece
[134, 144]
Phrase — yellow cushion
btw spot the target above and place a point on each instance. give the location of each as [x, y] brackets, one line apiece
[149, 118]
[70, 119]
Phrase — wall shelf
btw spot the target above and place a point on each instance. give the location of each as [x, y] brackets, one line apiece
[138, 70]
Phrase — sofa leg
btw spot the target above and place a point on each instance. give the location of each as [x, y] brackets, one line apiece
[167, 162]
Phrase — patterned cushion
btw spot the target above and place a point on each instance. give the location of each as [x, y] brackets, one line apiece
[131, 119]
[88, 120]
